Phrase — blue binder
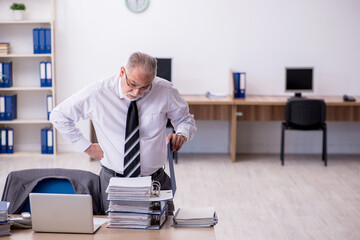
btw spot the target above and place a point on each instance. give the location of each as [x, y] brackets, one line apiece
[7, 74]
[50, 141]
[1, 75]
[10, 140]
[49, 105]
[239, 84]
[2, 108]
[236, 77]
[47, 40]
[43, 140]
[36, 40]
[3, 134]
[48, 73]
[42, 73]
[42, 40]
[242, 84]
[11, 107]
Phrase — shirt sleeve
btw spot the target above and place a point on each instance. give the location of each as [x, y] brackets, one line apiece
[179, 115]
[66, 114]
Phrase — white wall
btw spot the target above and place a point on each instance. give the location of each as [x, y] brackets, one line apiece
[206, 38]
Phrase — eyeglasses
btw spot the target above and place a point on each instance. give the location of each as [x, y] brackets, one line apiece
[135, 86]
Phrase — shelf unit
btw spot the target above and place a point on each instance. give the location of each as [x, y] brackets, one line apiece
[31, 104]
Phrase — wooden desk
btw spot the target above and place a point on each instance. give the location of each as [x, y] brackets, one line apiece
[262, 108]
[166, 232]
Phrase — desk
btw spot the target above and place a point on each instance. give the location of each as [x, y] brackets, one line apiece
[262, 108]
[166, 232]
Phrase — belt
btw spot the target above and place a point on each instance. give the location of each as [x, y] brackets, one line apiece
[116, 174]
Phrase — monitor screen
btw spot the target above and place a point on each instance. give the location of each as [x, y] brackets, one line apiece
[299, 79]
[164, 68]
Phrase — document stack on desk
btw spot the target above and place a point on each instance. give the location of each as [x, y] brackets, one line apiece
[201, 217]
[132, 206]
[4, 222]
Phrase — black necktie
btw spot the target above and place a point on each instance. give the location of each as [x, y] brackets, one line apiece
[132, 143]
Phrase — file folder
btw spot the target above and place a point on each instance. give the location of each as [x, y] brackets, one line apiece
[47, 40]
[42, 40]
[48, 73]
[10, 140]
[50, 147]
[3, 140]
[43, 141]
[36, 40]
[242, 84]
[49, 105]
[236, 79]
[7, 74]
[42, 71]
[1, 75]
[10, 107]
[2, 108]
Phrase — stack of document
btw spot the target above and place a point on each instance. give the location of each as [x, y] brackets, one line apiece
[200, 217]
[129, 188]
[130, 204]
[4, 222]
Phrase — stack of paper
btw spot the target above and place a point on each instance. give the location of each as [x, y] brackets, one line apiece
[129, 188]
[200, 217]
[4, 223]
[130, 204]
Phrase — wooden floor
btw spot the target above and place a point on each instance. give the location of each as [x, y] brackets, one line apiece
[255, 198]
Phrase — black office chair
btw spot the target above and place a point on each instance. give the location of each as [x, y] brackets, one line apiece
[164, 71]
[305, 114]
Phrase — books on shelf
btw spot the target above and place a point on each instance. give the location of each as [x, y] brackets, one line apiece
[4, 48]
[239, 79]
[49, 105]
[4, 221]
[6, 74]
[42, 40]
[47, 141]
[195, 217]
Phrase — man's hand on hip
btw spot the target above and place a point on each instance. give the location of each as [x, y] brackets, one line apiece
[95, 151]
[177, 141]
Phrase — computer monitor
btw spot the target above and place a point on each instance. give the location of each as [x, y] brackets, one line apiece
[299, 80]
[164, 68]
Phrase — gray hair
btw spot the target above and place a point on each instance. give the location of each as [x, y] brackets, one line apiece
[147, 63]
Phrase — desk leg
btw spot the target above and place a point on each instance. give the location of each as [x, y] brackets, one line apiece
[233, 133]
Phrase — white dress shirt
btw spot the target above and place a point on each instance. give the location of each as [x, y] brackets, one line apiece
[104, 103]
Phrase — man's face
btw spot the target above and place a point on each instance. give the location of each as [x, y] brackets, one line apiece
[135, 83]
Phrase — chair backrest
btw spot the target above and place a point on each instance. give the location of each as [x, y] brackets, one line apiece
[164, 68]
[305, 113]
[50, 185]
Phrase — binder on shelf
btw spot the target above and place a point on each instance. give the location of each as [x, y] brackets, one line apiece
[36, 40]
[43, 140]
[239, 79]
[42, 71]
[1, 75]
[3, 134]
[47, 40]
[11, 107]
[48, 74]
[2, 108]
[49, 105]
[7, 74]
[42, 40]
[10, 140]
[49, 142]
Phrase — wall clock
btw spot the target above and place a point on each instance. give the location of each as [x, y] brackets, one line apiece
[137, 6]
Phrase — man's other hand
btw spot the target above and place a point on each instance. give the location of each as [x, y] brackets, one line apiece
[177, 141]
[95, 151]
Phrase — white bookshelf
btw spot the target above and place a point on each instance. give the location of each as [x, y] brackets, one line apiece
[31, 98]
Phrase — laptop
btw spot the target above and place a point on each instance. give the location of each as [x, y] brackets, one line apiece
[62, 213]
